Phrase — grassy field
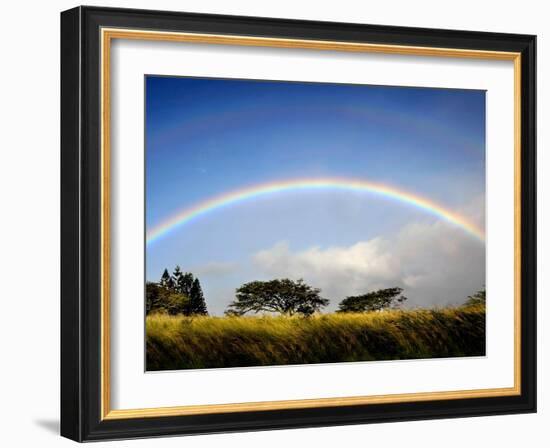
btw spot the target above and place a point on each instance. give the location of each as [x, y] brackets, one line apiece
[179, 342]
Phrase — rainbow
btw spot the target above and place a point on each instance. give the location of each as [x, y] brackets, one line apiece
[354, 185]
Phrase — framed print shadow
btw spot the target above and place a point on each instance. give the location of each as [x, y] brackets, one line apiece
[272, 223]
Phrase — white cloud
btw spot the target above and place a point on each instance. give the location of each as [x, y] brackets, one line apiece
[366, 262]
[435, 263]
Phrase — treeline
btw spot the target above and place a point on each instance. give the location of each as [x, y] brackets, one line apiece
[289, 297]
[179, 293]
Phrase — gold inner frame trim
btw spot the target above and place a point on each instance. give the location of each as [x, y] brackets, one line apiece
[107, 35]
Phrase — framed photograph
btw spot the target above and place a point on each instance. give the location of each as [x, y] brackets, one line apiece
[277, 224]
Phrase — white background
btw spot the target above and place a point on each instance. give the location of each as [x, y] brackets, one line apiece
[132, 388]
[29, 177]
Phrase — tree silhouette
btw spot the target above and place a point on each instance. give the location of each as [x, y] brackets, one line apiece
[166, 281]
[278, 296]
[159, 299]
[176, 276]
[372, 301]
[185, 283]
[178, 293]
[476, 299]
[197, 304]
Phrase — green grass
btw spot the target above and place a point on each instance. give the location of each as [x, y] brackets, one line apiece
[179, 342]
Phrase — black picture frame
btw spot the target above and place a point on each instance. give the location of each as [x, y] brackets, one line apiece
[81, 382]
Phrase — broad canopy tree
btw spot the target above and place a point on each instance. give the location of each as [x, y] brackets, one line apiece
[282, 296]
[372, 301]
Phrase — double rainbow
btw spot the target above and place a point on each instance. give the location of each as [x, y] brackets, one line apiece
[354, 185]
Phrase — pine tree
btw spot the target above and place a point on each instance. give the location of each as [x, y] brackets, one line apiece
[197, 304]
[166, 281]
[185, 283]
[176, 275]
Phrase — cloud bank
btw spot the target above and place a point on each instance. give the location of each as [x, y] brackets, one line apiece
[436, 264]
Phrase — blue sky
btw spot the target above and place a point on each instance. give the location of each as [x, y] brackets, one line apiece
[206, 137]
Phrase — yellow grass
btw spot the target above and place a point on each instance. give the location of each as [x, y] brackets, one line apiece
[179, 342]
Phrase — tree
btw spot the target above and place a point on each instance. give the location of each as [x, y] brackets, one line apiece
[184, 284]
[159, 299]
[178, 293]
[176, 276]
[372, 301]
[152, 297]
[277, 296]
[476, 299]
[197, 304]
[166, 281]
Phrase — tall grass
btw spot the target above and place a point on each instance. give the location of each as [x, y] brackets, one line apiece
[179, 342]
